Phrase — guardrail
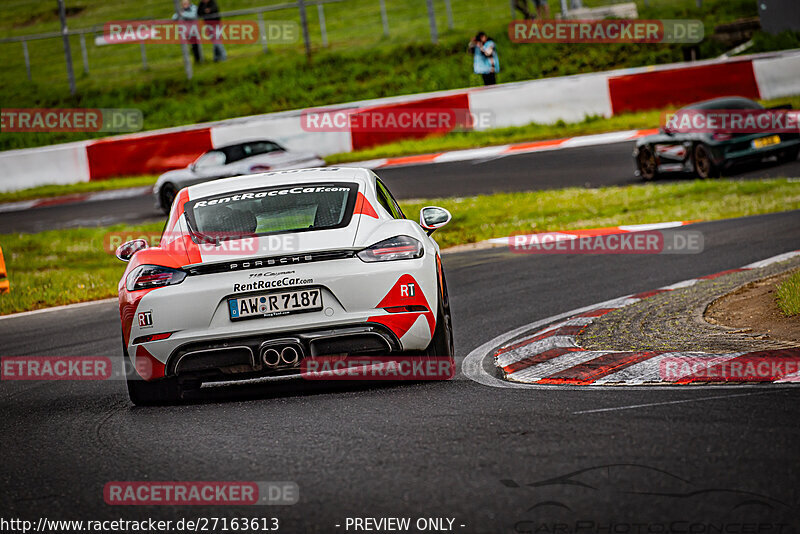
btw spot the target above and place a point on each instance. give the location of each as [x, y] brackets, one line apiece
[258, 11]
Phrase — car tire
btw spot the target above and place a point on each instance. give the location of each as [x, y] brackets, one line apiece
[442, 342]
[167, 196]
[646, 164]
[155, 393]
[788, 155]
[704, 167]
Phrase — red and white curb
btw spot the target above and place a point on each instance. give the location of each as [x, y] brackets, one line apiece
[493, 152]
[111, 194]
[545, 354]
[588, 232]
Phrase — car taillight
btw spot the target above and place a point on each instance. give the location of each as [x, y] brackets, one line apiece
[152, 337]
[401, 247]
[718, 136]
[150, 276]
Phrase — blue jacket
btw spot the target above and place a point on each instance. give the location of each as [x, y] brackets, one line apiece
[481, 63]
[186, 14]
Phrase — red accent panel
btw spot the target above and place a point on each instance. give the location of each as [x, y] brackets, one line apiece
[400, 323]
[146, 154]
[147, 366]
[604, 365]
[681, 86]
[128, 302]
[454, 104]
[363, 207]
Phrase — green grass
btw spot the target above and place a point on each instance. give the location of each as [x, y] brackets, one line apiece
[359, 63]
[65, 266]
[46, 191]
[788, 297]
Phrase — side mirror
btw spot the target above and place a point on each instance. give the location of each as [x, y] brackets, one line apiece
[193, 167]
[126, 250]
[433, 217]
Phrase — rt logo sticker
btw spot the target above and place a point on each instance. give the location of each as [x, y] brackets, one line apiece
[146, 319]
[407, 290]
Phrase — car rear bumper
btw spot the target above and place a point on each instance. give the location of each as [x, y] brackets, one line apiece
[244, 357]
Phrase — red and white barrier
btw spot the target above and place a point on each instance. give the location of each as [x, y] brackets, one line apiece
[569, 98]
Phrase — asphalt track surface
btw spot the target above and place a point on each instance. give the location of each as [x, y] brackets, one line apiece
[608, 165]
[494, 459]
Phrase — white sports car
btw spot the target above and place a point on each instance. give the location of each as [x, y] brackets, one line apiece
[232, 160]
[255, 273]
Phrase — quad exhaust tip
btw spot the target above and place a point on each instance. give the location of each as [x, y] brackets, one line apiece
[289, 355]
[270, 357]
[276, 354]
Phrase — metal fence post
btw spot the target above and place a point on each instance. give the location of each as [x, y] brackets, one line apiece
[699, 4]
[449, 10]
[513, 8]
[384, 19]
[263, 29]
[301, 5]
[84, 54]
[144, 54]
[27, 58]
[187, 65]
[564, 8]
[432, 20]
[62, 15]
[322, 29]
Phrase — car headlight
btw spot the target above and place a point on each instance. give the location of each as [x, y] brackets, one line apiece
[150, 276]
[401, 247]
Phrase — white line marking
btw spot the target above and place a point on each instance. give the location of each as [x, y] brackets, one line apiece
[58, 308]
[665, 403]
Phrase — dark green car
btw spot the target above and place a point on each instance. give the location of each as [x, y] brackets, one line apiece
[706, 151]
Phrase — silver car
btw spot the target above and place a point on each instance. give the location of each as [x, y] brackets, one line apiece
[233, 160]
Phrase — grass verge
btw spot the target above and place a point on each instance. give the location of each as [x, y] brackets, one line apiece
[47, 191]
[66, 266]
[788, 296]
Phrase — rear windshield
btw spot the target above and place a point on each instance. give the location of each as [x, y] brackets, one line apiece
[270, 210]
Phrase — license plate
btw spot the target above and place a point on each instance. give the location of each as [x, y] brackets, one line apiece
[271, 304]
[766, 141]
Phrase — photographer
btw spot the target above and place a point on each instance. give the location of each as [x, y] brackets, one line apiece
[486, 63]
